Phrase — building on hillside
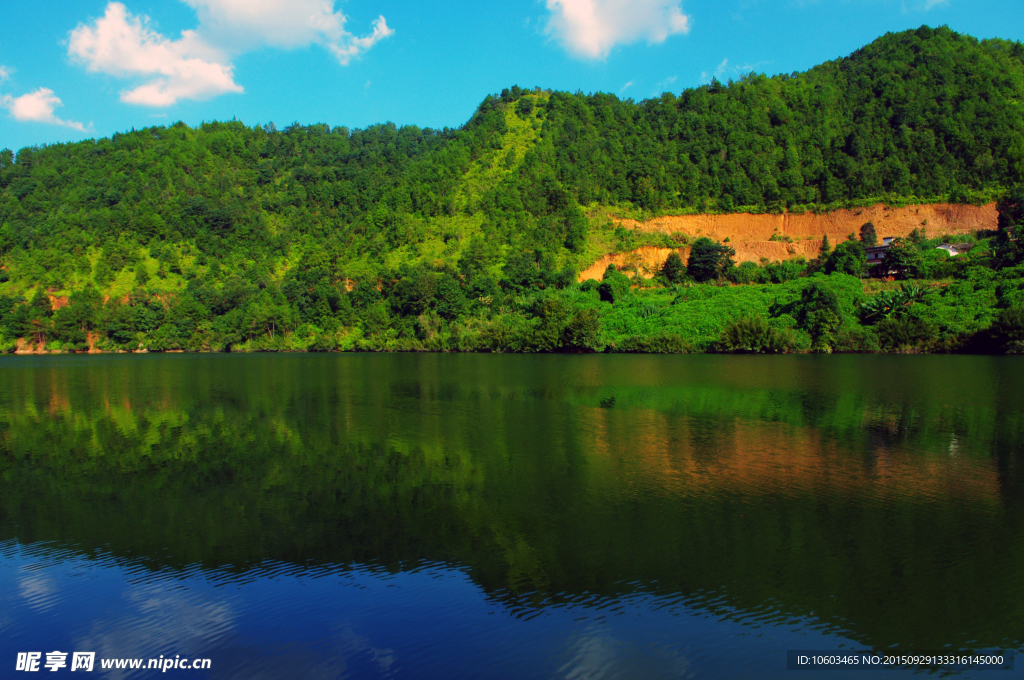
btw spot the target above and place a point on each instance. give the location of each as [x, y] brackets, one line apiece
[877, 253]
[955, 249]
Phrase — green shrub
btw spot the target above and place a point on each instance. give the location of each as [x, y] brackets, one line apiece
[1007, 332]
[906, 334]
[754, 335]
[674, 269]
[709, 260]
[324, 343]
[746, 272]
[855, 339]
[615, 286]
[847, 258]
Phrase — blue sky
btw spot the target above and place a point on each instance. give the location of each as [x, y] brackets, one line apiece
[75, 69]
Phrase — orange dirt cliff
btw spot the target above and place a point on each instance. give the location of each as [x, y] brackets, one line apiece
[750, 235]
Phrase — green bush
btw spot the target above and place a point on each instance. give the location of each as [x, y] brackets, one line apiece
[1007, 333]
[754, 335]
[847, 258]
[709, 260]
[906, 334]
[674, 270]
[746, 272]
[615, 285]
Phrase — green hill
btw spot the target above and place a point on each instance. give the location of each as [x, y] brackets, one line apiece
[227, 236]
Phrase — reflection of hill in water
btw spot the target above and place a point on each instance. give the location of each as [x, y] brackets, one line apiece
[752, 487]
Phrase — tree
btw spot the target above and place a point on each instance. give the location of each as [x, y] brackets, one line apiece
[903, 259]
[867, 235]
[1007, 332]
[451, 299]
[582, 333]
[1011, 208]
[825, 249]
[709, 260]
[554, 317]
[819, 313]
[521, 271]
[847, 258]
[614, 286]
[575, 230]
[1011, 218]
[674, 269]
[141, 274]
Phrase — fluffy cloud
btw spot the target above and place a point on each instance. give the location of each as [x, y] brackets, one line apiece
[590, 28]
[348, 49]
[37, 107]
[246, 24]
[197, 65]
[122, 45]
[5, 72]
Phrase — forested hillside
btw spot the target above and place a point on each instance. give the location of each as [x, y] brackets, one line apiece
[236, 237]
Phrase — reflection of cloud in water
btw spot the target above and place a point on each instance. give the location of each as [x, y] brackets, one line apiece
[343, 654]
[596, 656]
[352, 644]
[160, 618]
[40, 592]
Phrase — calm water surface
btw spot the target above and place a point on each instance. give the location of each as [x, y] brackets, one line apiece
[433, 516]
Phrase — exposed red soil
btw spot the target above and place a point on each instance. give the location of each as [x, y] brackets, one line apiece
[750, 234]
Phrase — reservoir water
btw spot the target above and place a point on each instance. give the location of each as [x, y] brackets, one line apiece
[478, 516]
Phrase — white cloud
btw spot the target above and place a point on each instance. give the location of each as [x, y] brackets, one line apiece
[591, 28]
[37, 107]
[626, 87]
[246, 24]
[123, 45]
[5, 72]
[197, 65]
[39, 591]
[351, 47]
[157, 615]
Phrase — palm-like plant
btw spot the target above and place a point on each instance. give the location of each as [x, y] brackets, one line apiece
[893, 303]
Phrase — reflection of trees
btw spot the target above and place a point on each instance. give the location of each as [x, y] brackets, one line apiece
[745, 500]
